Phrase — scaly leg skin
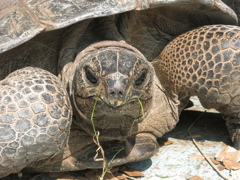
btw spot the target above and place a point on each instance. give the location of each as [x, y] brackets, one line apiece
[35, 118]
[206, 62]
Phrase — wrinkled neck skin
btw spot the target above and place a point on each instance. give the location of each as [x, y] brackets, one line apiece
[113, 123]
[179, 97]
[163, 115]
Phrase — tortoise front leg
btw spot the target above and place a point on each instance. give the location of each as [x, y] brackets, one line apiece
[206, 62]
[81, 151]
[35, 118]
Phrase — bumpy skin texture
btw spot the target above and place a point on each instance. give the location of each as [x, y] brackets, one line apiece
[205, 62]
[35, 118]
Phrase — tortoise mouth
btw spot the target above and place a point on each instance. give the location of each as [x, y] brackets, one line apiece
[103, 111]
[120, 106]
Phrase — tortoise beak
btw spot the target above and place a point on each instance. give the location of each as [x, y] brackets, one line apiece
[115, 96]
[116, 90]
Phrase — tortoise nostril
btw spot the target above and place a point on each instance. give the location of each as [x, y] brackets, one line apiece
[120, 94]
[112, 94]
[117, 94]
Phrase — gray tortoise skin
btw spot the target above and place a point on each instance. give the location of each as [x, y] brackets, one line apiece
[49, 86]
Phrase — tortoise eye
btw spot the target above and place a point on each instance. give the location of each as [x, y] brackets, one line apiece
[140, 79]
[91, 75]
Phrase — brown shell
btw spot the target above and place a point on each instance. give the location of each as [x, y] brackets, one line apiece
[21, 20]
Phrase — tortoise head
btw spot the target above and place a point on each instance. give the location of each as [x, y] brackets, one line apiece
[116, 74]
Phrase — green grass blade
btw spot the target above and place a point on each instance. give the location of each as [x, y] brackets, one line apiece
[141, 105]
[92, 116]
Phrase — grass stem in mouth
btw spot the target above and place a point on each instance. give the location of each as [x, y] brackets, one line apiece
[141, 105]
[92, 116]
[142, 110]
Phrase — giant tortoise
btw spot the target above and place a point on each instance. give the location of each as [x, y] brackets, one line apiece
[87, 76]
